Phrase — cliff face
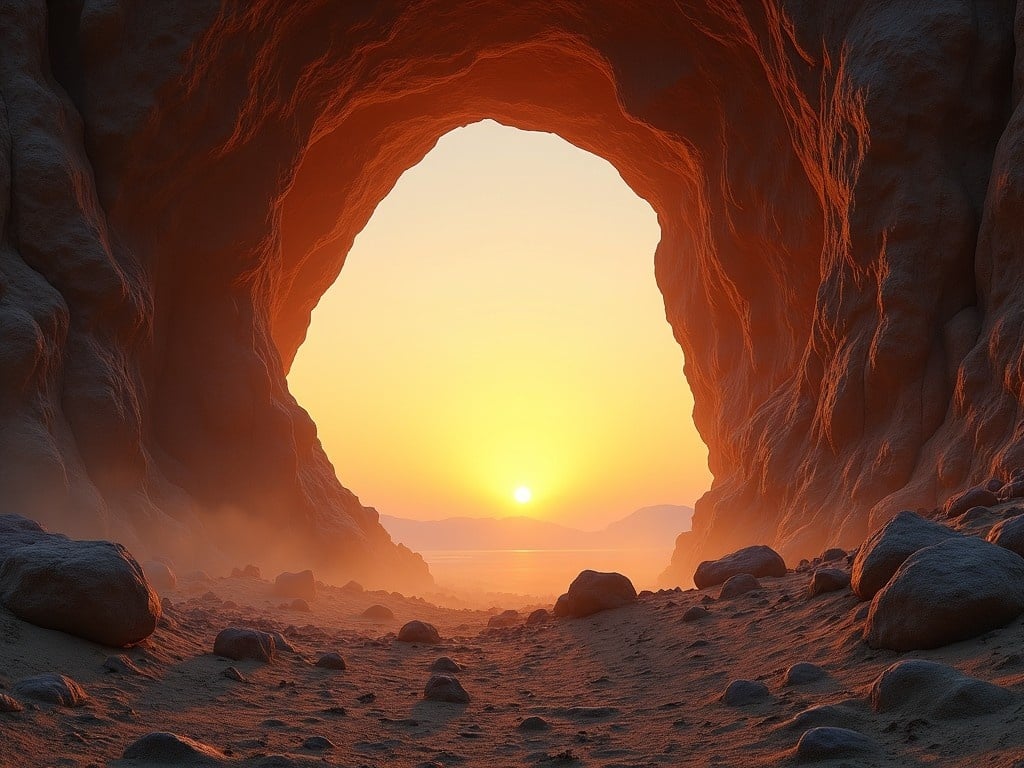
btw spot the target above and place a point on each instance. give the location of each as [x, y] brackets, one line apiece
[839, 185]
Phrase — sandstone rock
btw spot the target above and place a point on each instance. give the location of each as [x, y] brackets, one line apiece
[353, 588]
[758, 561]
[299, 585]
[830, 555]
[239, 643]
[331, 660]
[887, 548]
[445, 664]
[161, 748]
[950, 591]
[160, 575]
[1011, 491]
[828, 580]
[1009, 534]
[17, 531]
[930, 689]
[804, 673]
[378, 613]
[695, 613]
[592, 592]
[9, 705]
[445, 688]
[972, 497]
[92, 589]
[738, 585]
[538, 616]
[742, 693]
[419, 632]
[827, 743]
[232, 673]
[53, 690]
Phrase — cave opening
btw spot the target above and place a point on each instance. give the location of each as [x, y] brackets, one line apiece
[495, 348]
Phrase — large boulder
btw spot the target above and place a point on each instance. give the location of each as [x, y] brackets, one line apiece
[594, 591]
[92, 589]
[953, 590]
[301, 585]
[930, 689]
[758, 561]
[887, 548]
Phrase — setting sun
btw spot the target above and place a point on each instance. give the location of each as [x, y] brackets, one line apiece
[523, 494]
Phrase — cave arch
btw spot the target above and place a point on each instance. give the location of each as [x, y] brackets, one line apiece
[212, 164]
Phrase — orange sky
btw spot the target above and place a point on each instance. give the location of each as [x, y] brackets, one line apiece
[497, 325]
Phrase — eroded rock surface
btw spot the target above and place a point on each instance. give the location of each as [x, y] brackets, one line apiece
[888, 547]
[592, 592]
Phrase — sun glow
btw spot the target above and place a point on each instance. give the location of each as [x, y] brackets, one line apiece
[523, 494]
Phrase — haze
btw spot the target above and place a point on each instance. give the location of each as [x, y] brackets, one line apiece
[496, 327]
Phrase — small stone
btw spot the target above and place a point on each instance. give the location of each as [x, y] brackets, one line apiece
[331, 660]
[829, 743]
[419, 632]
[534, 723]
[300, 585]
[55, 690]
[239, 643]
[538, 616]
[830, 555]
[695, 613]
[317, 744]
[828, 580]
[161, 748]
[445, 688]
[121, 664]
[887, 548]
[742, 693]
[378, 612]
[804, 673]
[233, 674]
[738, 585]
[445, 664]
[281, 643]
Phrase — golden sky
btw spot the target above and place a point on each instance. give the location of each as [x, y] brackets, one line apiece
[497, 325]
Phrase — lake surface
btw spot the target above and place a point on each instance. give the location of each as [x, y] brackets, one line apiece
[544, 573]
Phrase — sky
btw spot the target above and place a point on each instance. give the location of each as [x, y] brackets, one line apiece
[497, 327]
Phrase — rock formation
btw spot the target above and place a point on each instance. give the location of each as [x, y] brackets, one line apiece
[838, 183]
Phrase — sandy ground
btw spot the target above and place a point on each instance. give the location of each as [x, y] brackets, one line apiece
[635, 686]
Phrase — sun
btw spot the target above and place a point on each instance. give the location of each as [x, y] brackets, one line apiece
[522, 494]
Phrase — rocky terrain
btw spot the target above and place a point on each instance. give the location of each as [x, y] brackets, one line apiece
[905, 652]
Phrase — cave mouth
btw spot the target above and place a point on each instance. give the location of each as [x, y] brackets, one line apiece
[497, 329]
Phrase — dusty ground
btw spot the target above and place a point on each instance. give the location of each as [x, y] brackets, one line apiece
[652, 682]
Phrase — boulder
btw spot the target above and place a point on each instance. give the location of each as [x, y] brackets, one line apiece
[299, 585]
[17, 531]
[759, 561]
[332, 660]
[1011, 491]
[378, 612]
[54, 690]
[160, 575]
[930, 689]
[538, 616]
[742, 693]
[162, 748]
[445, 688]
[887, 548]
[959, 588]
[833, 554]
[979, 496]
[419, 632]
[93, 589]
[1009, 534]
[827, 580]
[594, 591]
[239, 643]
[505, 619]
[281, 643]
[445, 664]
[830, 743]
[695, 613]
[738, 585]
[804, 673]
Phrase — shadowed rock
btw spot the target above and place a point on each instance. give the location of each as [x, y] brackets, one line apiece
[299, 585]
[953, 590]
[1009, 534]
[378, 613]
[54, 690]
[695, 613]
[833, 554]
[505, 619]
[827, 580]
[738, 585]
[828, 743]
[887, 548]
[239, 643]
[534, 723]
[419, 632]
[170, 749]
[331, 660]
[160, 575]
[9, 704]
[445, 664]
[930, 689]
[972, 497]
[758, 561]
[445, 688]
[804, 673]
[592, 592]
[742, 693]
[92, 589]
[538, 616]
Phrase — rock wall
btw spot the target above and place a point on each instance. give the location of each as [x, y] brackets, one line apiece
[839, 186]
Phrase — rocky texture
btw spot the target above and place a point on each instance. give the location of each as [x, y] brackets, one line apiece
[839, 186]
[972, 497]
[951, 591]
[92, 589]
[742, 693]
[299, 585]
[420, 632]
[445, 688]
[159, 575]
[333, 661]
[592, 592]
[1009, 534]
[830, 743]
[930, 689]
[827, 580]
[53, 690]
[757, 560]
[378, 612]
[804, 673]
[738, 585]
[160, 748]
[239, 643]
[886, 549]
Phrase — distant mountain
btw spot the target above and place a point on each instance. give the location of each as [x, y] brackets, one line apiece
[648, 528]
